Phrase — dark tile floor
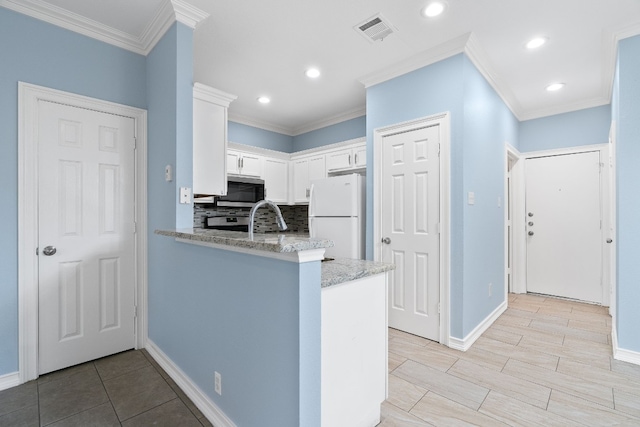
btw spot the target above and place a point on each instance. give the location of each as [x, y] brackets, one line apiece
[126, 389]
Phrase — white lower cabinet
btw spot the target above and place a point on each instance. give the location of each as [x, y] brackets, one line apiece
[276, 179]
[354, 352]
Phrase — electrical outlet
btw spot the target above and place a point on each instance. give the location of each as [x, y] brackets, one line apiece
[218, 383]
[490, 288]
[185, 195]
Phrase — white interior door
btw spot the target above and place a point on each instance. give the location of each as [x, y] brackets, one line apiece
[564, 236]
[410, 220]
[86, 178]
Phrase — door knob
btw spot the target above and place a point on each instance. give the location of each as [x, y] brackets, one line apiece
[530, 213]
[531, 233]
[530, 223]
[386, 240]
[49, 250]
[609, 240]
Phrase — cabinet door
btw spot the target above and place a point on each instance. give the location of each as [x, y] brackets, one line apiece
[339, 160]
[275, 179]
[360, 156]
[300, 180]
[233, 162]
[317, 169]
[251, 165]
[209, 148]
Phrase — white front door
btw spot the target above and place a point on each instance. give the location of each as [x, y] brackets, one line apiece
[564, 236]
[410, 221]
[86, 179]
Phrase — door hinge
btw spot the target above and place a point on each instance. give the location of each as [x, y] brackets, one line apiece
[135, 143]
[135, 311]
[438, 149]
[135, 227]
[438, 308]
[37, 251]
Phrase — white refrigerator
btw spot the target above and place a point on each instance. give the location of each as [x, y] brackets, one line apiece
[336, 212]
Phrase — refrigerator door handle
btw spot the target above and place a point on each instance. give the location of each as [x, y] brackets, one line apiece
[312, 230]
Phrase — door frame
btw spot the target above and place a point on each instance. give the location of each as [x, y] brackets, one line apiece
[605, 199]
[443, 121]
[515, 197]
[28, 97]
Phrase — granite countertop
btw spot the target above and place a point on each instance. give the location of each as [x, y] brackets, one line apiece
[283, 243]
[342, 270]
[334, 271]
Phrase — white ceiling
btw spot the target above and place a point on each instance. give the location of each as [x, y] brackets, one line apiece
[254, 47]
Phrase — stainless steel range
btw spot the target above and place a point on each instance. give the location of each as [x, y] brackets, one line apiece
[233, 222]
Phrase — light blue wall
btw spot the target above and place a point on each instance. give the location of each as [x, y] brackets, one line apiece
[430, 90]
[39, 53]
[256, 137]
[343, 131]
[488, 125]
[627, 115]
[254, 320]
[480, 125]
[239, 315]
[582, 127]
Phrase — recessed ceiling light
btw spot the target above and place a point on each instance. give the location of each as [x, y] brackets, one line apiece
[264, 100]
[434, 9]
[555, 86]
[312, 73]
[536, 42]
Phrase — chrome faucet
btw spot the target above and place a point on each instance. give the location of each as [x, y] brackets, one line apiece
[279, 219]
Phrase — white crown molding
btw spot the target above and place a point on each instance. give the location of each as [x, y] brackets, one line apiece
[212, 95]
[479, 58]
[627, 31]
[239, 118]
[187, 14]
[566, 108]
[71, 21]
[353, 114]
[170, 12]
[415, 62]
[244, 120]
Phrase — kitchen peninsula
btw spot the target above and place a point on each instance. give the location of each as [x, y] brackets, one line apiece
[320, 328]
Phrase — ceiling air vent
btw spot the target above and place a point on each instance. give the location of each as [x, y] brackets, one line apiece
[375, 28]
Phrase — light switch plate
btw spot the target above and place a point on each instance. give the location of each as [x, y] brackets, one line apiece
[185, 195]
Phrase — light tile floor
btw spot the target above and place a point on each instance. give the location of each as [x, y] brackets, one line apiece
[544, 362]
[127, 389]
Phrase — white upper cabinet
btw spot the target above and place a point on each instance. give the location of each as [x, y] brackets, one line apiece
[287, 177]
[245, 164]
[210, 140]
[276, 179]
[306, 169]
[347, 158]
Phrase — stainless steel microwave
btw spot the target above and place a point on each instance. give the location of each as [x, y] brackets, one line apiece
[242, 192]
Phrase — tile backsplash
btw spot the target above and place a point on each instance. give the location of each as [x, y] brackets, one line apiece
[296, 217]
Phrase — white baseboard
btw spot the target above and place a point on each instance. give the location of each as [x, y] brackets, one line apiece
[622, 354]
[466, 343]
[9, 380]
[210, 410]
